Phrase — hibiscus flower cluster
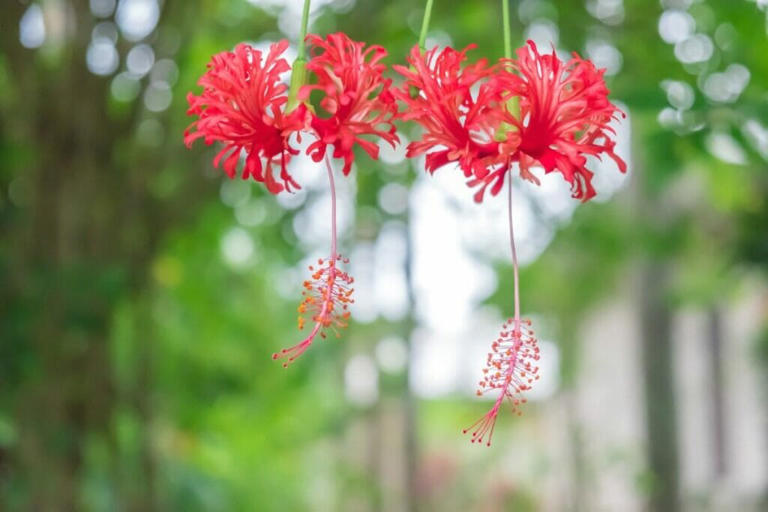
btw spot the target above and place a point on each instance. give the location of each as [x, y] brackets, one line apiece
[561, 115]
[246, 107]
[532, 111]
[487, 121]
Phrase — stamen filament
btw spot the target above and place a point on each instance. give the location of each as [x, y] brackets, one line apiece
[327, 295]
[510, 366]
[514, 251]
[509, 371]
[333, 206]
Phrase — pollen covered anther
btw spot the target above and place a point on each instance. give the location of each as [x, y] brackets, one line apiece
[510, 370]
[327, 296]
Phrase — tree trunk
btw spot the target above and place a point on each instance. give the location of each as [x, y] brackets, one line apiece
[715, 352]
[80, 243]
[660, 403]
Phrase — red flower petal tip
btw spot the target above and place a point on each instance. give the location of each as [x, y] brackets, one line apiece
[456, 119]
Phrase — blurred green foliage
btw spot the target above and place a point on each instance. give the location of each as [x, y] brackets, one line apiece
[134, 362]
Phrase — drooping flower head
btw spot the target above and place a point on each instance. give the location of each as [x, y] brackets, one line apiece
[564, 116]
[356, 97]
[242, 106]
[455, 107]
[357, 103]
[464, 111]
[535, 111]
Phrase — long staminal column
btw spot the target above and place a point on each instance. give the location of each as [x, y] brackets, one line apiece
[511, 365]
[510, 370]
[327, 295]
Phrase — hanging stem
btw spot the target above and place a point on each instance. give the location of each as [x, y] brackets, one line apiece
[507, 29]
[301, 51]
[299, 69]
[514, 250]
[413, 91]
[513, 103]
[333, 207]
[425, 25]
[327, 295]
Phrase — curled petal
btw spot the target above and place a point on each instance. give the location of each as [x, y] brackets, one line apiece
[241, 106]
[564, 116]
[355, 97]
[459, 123]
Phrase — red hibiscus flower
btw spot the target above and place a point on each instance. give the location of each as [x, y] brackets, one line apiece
[242, 106]
[356, 97]
[564, 117]
[456, 106]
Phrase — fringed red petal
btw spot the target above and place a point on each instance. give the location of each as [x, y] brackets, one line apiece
[242, 106]
[564, 116]
[356, 97]
[458, 120]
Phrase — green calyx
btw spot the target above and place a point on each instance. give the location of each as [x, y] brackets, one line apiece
[299, 70]
[412, 89]
[513, 103]
[298, 79]
[513, 107]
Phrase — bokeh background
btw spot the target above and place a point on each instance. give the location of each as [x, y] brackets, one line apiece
[142, 293]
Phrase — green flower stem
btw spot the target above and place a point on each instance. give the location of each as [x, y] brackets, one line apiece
[425, 25]
[513, 104]
[301, 53]
[299, 70]
[507, 29]
[414, 92]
